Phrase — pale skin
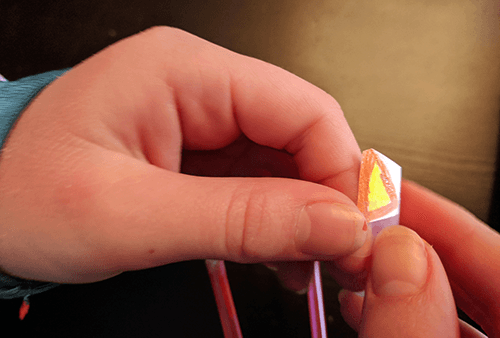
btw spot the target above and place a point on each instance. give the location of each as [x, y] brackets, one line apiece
[147, 153]
[463, 258]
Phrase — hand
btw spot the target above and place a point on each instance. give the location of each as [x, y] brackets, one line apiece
[90, 181]
[419, 301]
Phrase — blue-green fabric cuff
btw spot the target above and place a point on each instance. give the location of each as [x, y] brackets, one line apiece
[12, 287]
[14, 97]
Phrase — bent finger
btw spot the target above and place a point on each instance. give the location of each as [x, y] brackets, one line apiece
[351, 271]
[294, 275]
[467, 247]
[216, 95]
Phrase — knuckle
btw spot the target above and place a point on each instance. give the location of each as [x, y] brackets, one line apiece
[163, 33]
[254, 231]
[150, 45]
[255, 227]
[234, 225]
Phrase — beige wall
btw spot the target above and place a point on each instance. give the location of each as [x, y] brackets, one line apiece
[418, 80]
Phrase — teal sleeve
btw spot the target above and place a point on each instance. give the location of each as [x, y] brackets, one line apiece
[14, 97]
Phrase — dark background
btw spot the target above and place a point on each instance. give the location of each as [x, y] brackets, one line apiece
[175, 300]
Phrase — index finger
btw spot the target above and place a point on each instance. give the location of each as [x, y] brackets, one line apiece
[221, 94]
[283, 111]
[467, 247]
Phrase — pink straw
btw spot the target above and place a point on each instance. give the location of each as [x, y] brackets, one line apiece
[224, 298]
[315, 301]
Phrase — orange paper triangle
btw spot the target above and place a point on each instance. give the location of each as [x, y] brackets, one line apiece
[377, 194]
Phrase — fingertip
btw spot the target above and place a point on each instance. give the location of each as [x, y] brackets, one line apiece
[294, 276]
[350, 281]
[399, 265]
[351, 305]
[407, 291]
[351, 271]
[331, 229]
[356, 262]
[342, 296]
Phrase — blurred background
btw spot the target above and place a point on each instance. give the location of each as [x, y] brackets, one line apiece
[417, 80]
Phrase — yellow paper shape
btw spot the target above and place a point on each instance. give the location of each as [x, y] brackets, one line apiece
[377, 194]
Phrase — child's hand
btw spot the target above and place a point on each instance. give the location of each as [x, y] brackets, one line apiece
[90, 181]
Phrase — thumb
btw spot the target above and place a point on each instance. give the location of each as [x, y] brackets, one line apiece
[407, 292]
[170, 217]
[110, 213]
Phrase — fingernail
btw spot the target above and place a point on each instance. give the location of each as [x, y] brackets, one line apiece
[271, 267]
[342, 295]
[399, 266]
[302, 292]
[330, 229]
[360, 293]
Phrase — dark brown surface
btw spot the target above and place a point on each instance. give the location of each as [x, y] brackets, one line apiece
[171, 301]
